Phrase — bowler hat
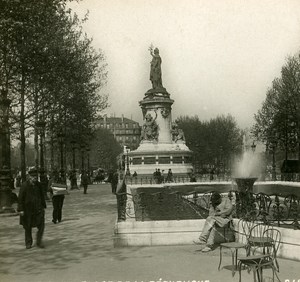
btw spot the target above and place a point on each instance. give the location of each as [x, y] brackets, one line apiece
[33, 171]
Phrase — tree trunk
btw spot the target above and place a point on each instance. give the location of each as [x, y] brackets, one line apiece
[51, 144]
[22, 130]
[36, 136]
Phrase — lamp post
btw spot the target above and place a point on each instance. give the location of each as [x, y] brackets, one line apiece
[40, 125]
[61, 135]
[73, 175]
[5, 172]
[127, 162]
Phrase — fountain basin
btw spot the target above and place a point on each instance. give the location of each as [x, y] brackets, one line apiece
[245, 184]
[184, 232]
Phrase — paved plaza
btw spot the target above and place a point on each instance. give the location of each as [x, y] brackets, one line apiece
[80, 248]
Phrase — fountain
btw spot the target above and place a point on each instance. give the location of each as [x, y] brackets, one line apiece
[245, 184]
[162, 142]
[246, 170]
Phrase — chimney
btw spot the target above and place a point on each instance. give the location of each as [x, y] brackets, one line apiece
[122, 118]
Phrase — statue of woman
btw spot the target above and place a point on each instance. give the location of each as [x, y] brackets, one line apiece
[155, 72]
[150, 128]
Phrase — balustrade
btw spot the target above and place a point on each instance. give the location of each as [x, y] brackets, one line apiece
[169, 204]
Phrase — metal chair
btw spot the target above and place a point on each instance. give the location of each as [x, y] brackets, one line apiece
[257, 263]
[257, 239]
[274, 236]
[234, 247]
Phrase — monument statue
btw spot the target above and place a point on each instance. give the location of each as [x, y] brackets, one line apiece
[177, 133]
[150, 128]
[155, 71]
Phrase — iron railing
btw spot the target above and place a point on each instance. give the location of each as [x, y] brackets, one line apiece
[142, 180]
[166, 204]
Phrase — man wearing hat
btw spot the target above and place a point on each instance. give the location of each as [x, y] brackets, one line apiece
[31, 206]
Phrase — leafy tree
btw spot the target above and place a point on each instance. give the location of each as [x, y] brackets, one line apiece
[277, 123]
[214, 142]
[49, 68]
[104, 149]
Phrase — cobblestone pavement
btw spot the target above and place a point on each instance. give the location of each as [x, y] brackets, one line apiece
[80, 248]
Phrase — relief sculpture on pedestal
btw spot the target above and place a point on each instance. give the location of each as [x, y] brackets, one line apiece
[150, 128]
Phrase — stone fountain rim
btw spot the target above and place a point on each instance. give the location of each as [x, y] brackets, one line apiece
[245, 177]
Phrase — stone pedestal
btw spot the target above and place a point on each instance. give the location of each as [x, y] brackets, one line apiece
[162, 151]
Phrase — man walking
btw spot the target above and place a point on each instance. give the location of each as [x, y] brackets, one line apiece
[84, 181]
[58, 192]
[31, 206]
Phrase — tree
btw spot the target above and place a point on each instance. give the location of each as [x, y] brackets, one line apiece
[104, 149]
[277, 123]
[214, 142]
[48, 67]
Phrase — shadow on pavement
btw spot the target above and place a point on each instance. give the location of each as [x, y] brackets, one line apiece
[85, 232]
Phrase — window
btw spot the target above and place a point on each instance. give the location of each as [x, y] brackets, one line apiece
[164, 160]
[136, 161]
[149, 160]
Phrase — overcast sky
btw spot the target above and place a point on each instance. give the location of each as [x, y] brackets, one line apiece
[218, 56]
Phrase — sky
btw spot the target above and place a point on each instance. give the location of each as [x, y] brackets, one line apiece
[219, 57]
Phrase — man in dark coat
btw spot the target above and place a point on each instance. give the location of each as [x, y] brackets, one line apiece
[58, 192]
[84, 181]
[114, 182]
[31, 206]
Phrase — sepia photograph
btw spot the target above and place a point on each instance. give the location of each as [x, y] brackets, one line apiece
[149, 140]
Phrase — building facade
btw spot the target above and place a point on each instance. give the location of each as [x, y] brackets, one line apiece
[126, 131]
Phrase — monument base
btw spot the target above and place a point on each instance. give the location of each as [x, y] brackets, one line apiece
[151, 156]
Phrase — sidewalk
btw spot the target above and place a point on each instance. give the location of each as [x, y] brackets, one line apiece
[80, 248]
